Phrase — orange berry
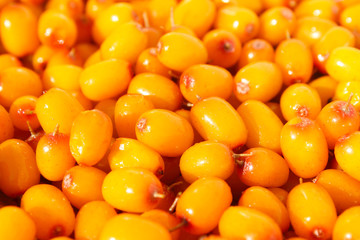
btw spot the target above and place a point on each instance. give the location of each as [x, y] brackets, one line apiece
[73, 8]
[7, 128]
[65, 77]
[148, 62]
[345, 89]
[22, 113]
[312, 211]
[346, 225]
[304, 147]
[349, 18]
[325, 86]
[132, 189]
[166, 132]
[202, 216]
[90, 136]
[8, 60]
[94, 7]
[318, 8]
[256, 50]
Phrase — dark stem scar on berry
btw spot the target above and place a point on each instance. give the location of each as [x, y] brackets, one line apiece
[189, 81]
[318, 233]
[258, 44]
[243, 87]
[141, 125]
[159, 173]
[302, 111]
[227, 46]
[57, 231]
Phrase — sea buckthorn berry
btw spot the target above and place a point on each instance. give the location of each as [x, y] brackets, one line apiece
[65, 56]
[91, 219]
[132, 189]
[304, 147]
[17, 82]
[215, 119]
[56, 29]
[148, 62]
[347, 152]
[300, 100]
[83, 184]
[94, 7]
[343, 189]
[275, 107]
[41, 57]
[200, 215]
[263, 125]
[8, 60]
[335, 37]
[347, 224]
[110, 18]
[22, 113]
[127, 152]
[276, 24]
[207, 159]
[53, 156]
[65, 77]
[16, 224]
[166, 132]
[242, 222]
[126, 42]
[128, 109]
[159, 12]
[84, 101]
[128, 226]
[256, 50]
[187, 115]
[57, 107]
[161, 91]
[350, 19]
[187, 13]
[7, 128]
[241, 21]
[258, 81]
[345, 89]
[18, 29]
[294, 69]
[280, 193]
[342, 64]
[179, 51]
[255, 168]
[325, 86]
[56, 218]
[106, 79]
[318, 8]
[203, 81]
[311, 29]
[73, 8]
[164, 218]
[312, 211]
[337, 119]
[265, 201]
[90, 136]
[224, 48]
[17, 167]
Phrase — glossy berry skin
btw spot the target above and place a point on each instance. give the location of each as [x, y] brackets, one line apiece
[246, 223]
[346, 225]
[341, 64]
[132, 189]
[349, 18]
[294, 69]
[126, 226]
[312, 211]
[128, 109]
[18, 29]
[7, 130]
[127, 152]
[215, 119]
[161, 91]
[304, 147]
[223, 47]
[256, 168]
[346, 152]
[318, 8]
[204, 159]
[178, 51]
[166, 132]
[17, 167]
[256, 50]
[276, 24]
[344, 89]
[243, 22]
[65, 77]
[337, 119]
[343, 189]
[325, 86]
[258, 81]
[90, 136]
[300, 100]
[106, 79]
[57, 107]
[16, 224]
[148, 62]
[202, 216]
[203, 81]
[22, 112]
[267, 202]
[263, 125]
[91, 218]
[56, 218]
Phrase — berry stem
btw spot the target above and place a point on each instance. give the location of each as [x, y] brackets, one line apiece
[56, 130]
[159, 195]
[173, 205]
[180, 225]
[30, 129]
[348, 102]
